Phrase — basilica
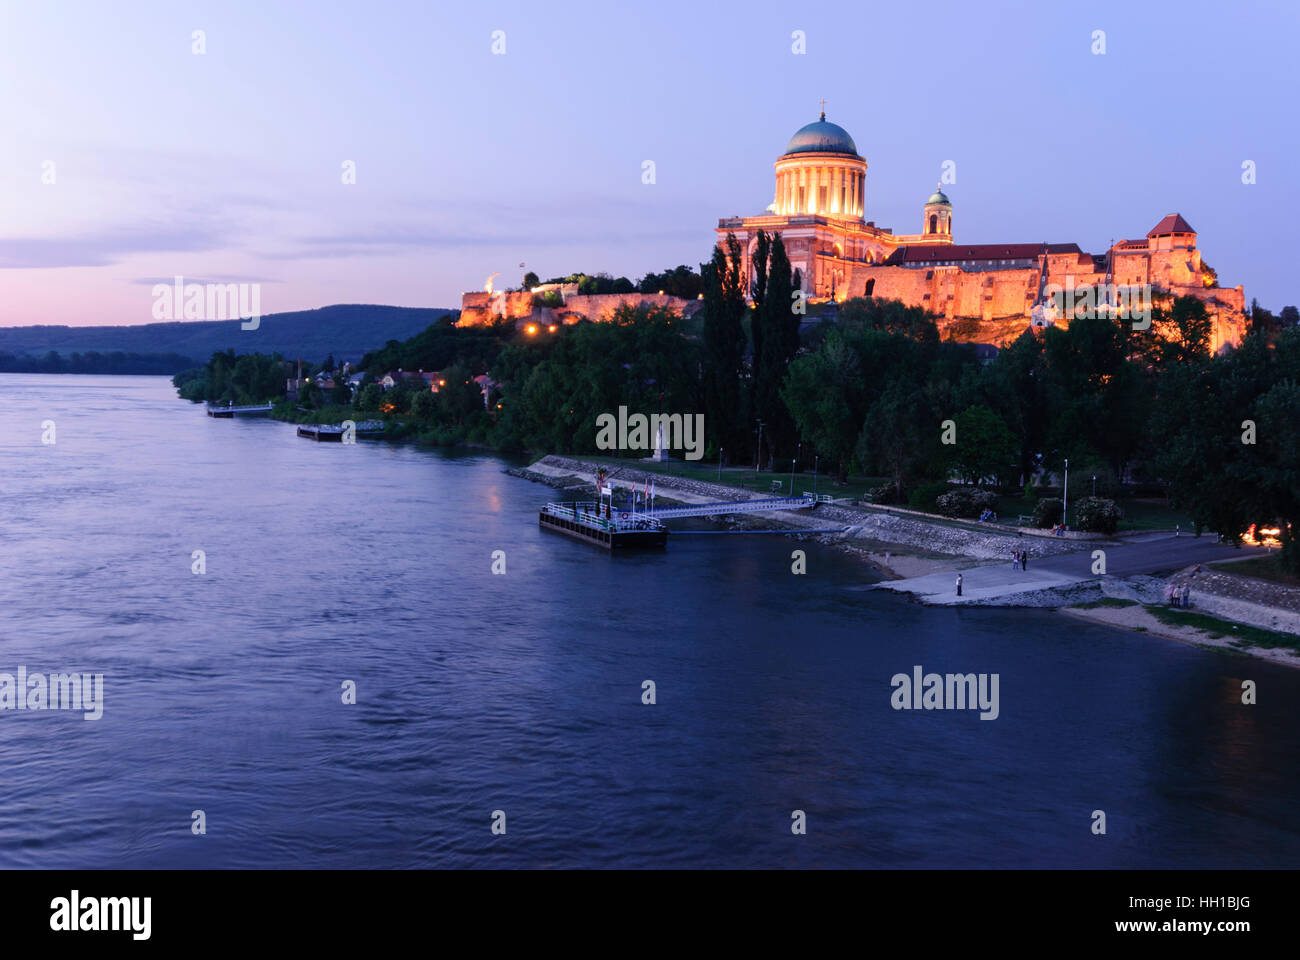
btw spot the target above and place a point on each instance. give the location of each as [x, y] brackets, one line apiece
[985, 292]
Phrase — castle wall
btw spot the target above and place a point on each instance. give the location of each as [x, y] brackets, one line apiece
[993, 306]
[480, 308]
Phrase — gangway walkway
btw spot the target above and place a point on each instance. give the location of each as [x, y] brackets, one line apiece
[763, 505]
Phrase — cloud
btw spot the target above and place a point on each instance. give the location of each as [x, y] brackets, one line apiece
[103, 248]
[212, 278]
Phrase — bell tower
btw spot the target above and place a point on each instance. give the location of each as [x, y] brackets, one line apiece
[936, 220]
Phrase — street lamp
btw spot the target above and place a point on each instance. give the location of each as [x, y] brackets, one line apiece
[1094, 485]
[797, 451]
[816, 460]
[1065, 495]
[758, 456]
[720, 449]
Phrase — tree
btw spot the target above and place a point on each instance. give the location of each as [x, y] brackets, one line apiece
[460, 399]
[896, 435]
[531, 280]
[724, 345]
[1202, 426]
[775, 328]
[424, 406]
[984, 448]
[369, 398]
[1015, 388]
[1185, 328]
[823, 392]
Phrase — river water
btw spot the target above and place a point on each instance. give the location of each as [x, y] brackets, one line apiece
[522, 693]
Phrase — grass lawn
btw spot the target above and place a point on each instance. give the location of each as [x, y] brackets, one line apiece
[1241, 633]
[1138, 514]
[1261, 568]
[745, 478]
[1153, 515]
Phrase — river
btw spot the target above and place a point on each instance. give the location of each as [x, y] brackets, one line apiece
[326, 565]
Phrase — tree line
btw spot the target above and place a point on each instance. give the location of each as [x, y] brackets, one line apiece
[116, 362]
[874, 392]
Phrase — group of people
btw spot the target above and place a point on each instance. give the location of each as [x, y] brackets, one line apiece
[989, 516]
[1058, 530]
[1019, 558]
[1178, 596]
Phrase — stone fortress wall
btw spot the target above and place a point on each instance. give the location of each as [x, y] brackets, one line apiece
[481, 308]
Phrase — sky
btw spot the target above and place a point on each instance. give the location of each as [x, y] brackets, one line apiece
[228, 165]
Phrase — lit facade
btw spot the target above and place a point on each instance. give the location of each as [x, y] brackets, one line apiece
[982, 293]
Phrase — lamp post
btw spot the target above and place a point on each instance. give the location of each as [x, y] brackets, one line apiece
[798, 450]
[758, 456]
[1065, 495]
[1094, 485]
[816, 460]
[720, 449]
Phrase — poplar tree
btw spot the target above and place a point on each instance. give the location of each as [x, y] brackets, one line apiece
[724, 344]
[777, 328]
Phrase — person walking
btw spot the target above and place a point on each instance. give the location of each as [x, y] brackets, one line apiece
[1015, 559]
[959, 584]
[1024, 559]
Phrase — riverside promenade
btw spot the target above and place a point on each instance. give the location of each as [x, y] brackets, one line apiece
[1142, 554]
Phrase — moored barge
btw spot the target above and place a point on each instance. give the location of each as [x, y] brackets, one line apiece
[334, 432]
[604, 526]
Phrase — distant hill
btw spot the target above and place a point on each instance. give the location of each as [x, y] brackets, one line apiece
[345, 330]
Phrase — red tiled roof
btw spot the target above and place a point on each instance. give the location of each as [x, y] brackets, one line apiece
[927, 252]
[1172, 223]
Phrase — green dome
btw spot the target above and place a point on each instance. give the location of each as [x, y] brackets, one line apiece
[938, 197]
[821, 136]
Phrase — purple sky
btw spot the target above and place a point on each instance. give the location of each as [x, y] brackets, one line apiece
[226, 166]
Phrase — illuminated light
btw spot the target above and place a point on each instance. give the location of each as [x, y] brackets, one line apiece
[498, 406]
[530, 329]
[552, 328]
[661, 293]
[442, 383]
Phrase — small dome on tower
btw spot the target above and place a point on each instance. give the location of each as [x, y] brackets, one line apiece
[938, 196]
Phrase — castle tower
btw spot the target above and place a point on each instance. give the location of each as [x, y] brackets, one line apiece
[936, 221]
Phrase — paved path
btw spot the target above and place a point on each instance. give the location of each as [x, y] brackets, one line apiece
[1150, 554]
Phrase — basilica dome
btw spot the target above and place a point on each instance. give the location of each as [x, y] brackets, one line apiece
[821, 136]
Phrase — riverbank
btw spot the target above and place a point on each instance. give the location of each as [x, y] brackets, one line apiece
[921, 555]
[897, 544]
[1209, 632]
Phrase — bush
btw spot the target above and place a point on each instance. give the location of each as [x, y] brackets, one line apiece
[1097, 515]
[1047, 512]
[924, 496]
[967, 502]
[886, 494]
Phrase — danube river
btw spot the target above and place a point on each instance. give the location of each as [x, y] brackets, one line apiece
[325, 565]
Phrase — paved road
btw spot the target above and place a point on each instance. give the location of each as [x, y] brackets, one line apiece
[1152, 553]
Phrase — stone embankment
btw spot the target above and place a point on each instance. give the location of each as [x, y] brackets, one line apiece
[909, 529]
[1259, 603]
